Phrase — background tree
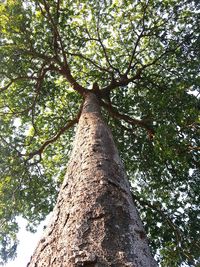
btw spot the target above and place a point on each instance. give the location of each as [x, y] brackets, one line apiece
[143, 59]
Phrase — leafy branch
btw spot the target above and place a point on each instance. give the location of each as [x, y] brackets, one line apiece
[90, 61]
[141, 123]
[179, 236]
[65, 69]
[139, 37]
[103, 47]
[51, 140]
[13, 80]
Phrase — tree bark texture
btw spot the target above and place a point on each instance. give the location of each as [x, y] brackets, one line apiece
[95, 222]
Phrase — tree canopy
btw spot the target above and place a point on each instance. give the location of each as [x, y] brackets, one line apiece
[142, 60]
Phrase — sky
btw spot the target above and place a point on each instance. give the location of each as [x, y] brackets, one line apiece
[28, 242]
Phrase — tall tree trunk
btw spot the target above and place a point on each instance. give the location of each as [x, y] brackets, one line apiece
[95, 223]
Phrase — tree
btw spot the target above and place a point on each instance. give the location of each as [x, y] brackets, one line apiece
[140, 59]
[95, 221]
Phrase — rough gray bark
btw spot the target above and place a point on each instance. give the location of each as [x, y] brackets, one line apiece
[95, 223]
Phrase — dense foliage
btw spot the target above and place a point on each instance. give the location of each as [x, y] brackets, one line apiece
[144, 56]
